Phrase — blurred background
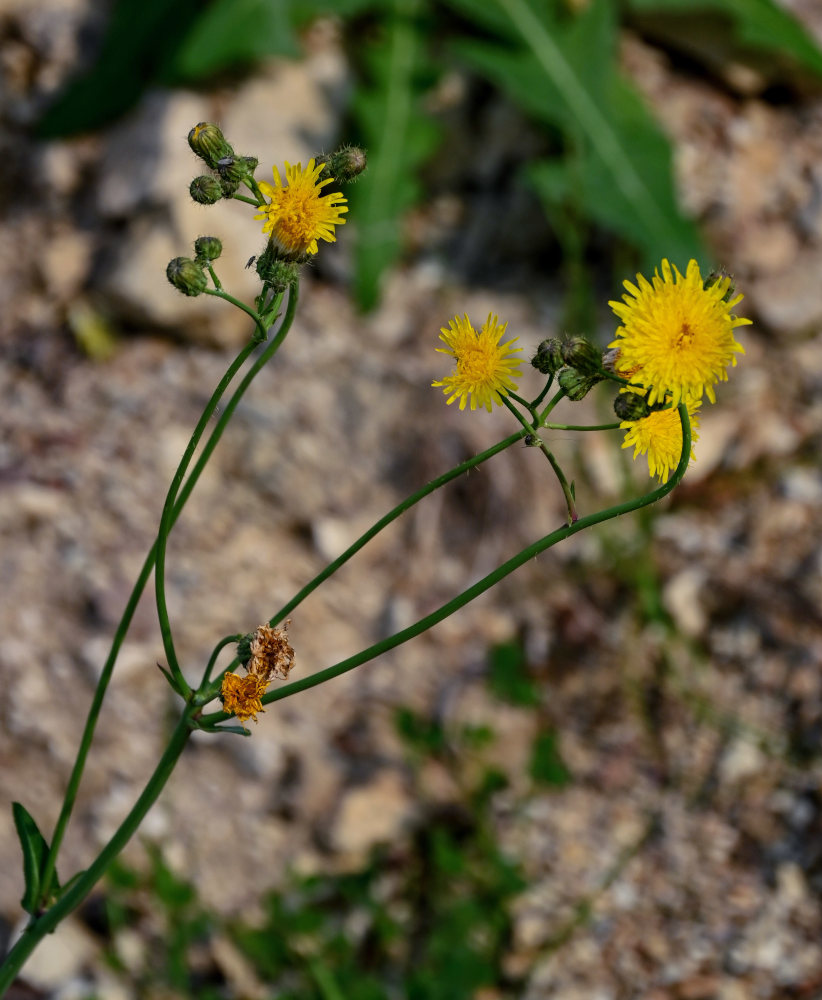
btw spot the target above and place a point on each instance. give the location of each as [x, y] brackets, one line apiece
[601, 780]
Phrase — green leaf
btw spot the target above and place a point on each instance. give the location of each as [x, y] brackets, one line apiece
[547, 766]
[35, 851]
[398, 138]
[508, 676]
[138, 49]
[564, 73]
[761, 24]
[236, 33]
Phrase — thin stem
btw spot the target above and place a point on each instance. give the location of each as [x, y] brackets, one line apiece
[560, 394]
[543, 394]
[214, 278]
[543, 447]
[248, 201]
[44, 924]
[524, 403]
[392, 515]
[168, 506]
[528, 553]
[581, 427]
[262, 332]
[221, 645]
[137, 591]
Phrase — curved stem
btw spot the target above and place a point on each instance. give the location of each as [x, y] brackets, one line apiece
[77, 892]
[546, 389]
[528, 553]
[543, 447]
[137, 591]
[166, 517]
[221, 645]
[219, 293]
[560, 394]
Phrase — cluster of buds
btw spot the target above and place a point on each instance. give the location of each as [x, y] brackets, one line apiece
[209, 143]
[266, 654]
[187, 274]
[575, 361]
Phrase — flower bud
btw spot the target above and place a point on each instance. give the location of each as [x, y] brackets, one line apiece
[186, 275]
[631, 406]
[231, 168]
[576, 385]
[207, 248]
[345, 164]
[205, 190]
[209, 143]
[251, 163]
[581, 354]
[279, 274]
[548, 358]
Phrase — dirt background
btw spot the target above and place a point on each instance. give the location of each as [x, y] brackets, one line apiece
[710, 728]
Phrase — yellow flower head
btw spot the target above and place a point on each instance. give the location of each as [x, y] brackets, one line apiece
[659, 435]
[241, 695]
[677, 335]
[484, 368]
[298, 214]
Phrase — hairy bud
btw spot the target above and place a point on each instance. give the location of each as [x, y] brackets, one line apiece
[186, 275]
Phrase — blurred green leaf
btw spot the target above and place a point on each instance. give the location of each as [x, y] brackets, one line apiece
[398, 138]
[508, 676]
[564, 73]
[547, 766]
[139, 48]
[235, 33]
[762, 24]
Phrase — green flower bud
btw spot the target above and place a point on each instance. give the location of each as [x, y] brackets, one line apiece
[207, 248]
[279, 274]
[548, 358]
[581, 354]
[186, 275]
[244, 648]
[345, 164]
[576, 385]
[631, 406]
[205, 190]
[209, 143]
[231, 168]
[251, 163]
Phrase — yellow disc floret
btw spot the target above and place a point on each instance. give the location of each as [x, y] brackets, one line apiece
[484, 369]
[298, 214]
[677, 335]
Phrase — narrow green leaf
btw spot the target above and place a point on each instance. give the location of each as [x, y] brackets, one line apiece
[398, 138]
[565, 73]
[35, 851]
[547, 766]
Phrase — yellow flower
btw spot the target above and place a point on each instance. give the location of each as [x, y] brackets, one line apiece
[660, 436]
[241, 695]
[484, 368]
[677, 335]
[298, 215]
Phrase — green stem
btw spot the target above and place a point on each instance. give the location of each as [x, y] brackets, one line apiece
[262, 332]
[543, 394]
[563, 482]
[44, 924]
[392, 515]
[166, 517]
[248, 201]
[528, 553]
[137, 591]
[581, 427]
[524, 403]
[560, 394]
[221, 645]
[217, 283]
